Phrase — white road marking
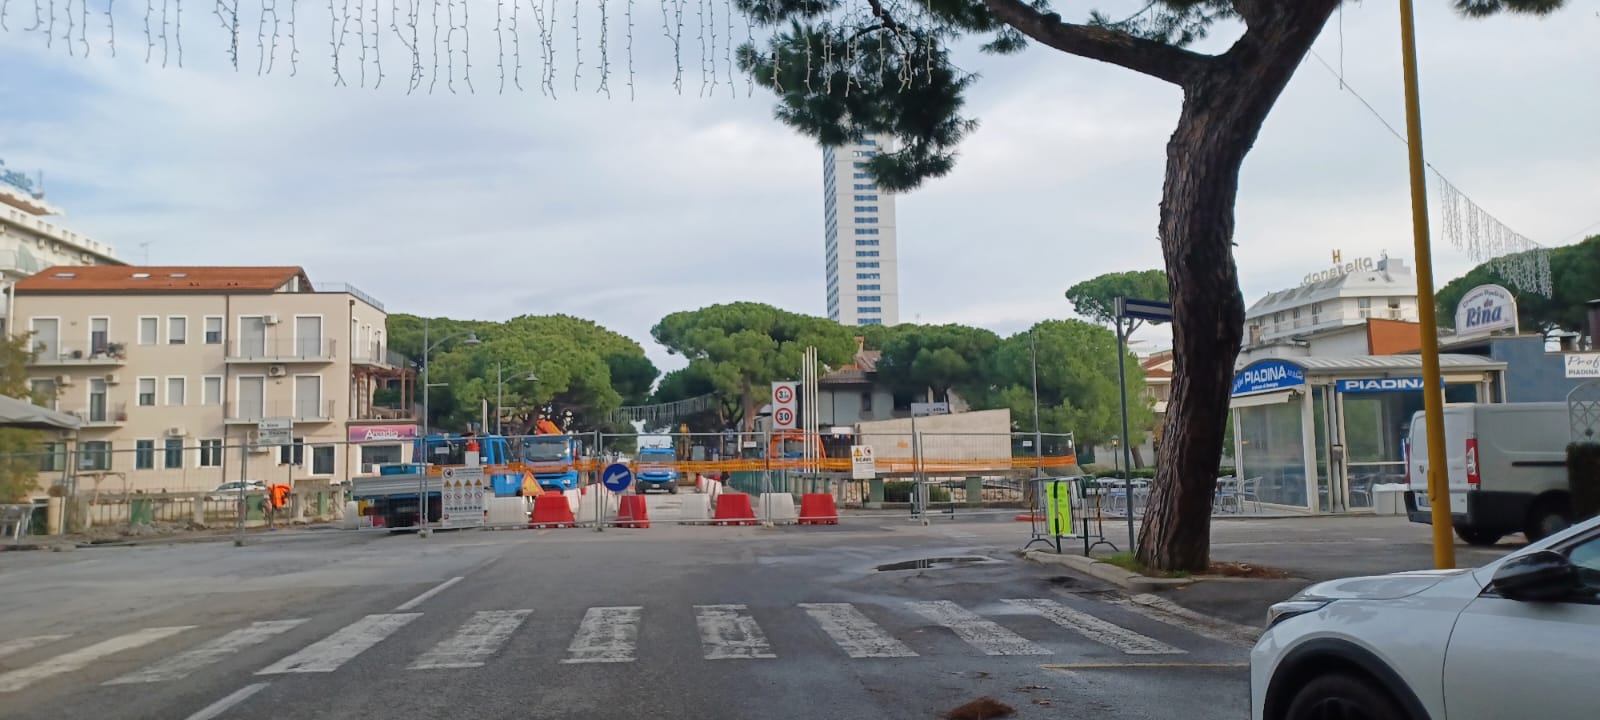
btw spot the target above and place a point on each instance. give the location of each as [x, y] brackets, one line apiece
[477, 639]
[1100, 631]
[854, 632]
[1163, 610]
[983, 634]
[327, 654]
[12, 647]
[179, 666]
[418, 600]
[606, 635]
[77, 659]
[219, 707]
[729, 632]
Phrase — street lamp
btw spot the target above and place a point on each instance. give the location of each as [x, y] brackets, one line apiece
[427, 352]
[499, 395]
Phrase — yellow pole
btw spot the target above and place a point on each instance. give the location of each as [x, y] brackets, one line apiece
[1444, 548]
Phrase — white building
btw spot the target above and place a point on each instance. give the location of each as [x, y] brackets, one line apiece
[1346, 294]
[862, 263]
[29, 243]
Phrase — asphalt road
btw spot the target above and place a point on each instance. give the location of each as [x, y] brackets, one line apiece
[670, 622]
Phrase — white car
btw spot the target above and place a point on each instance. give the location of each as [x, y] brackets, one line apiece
[230, 490]
[1516, 639]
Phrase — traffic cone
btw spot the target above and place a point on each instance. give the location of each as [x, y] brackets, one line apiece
[733, 509]
[818, 509]
[633, 513]
[552, 510]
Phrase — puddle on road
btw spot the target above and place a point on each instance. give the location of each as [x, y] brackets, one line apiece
[935, 563]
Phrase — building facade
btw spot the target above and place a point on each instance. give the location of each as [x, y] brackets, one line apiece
[1344, 295]
[172, 369]
[861, 256]
[30, 243]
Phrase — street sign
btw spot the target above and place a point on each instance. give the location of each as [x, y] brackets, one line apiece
[274, 431]
[785, 405]
[863, 465]
[926, 409]
[463, 494]
[617, 477]
[1150, 310]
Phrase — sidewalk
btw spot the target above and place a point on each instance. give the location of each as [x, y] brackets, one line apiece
[1313, 549]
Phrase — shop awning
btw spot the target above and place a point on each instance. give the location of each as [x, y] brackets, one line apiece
[23, 414]
[1257, 400]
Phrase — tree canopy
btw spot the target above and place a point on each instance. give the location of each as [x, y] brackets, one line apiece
[1077, 382]
[741, 348]
[1096, 298]
[19, 448]
[1574, 279]
[940, 358]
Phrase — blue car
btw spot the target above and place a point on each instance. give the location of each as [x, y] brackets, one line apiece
[656, 470]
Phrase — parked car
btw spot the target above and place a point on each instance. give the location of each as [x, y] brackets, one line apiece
[230, 490]
[1514, 639]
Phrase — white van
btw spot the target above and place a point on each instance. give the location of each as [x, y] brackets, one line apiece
[1508, 469]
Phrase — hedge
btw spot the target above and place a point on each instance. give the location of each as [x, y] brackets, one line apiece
[899, 491]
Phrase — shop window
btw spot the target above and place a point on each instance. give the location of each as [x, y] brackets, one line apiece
[1272, 448]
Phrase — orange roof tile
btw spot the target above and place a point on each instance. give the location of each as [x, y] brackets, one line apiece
[171, 279]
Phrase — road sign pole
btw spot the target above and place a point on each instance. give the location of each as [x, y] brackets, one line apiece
[244, 471]
[1122, 385]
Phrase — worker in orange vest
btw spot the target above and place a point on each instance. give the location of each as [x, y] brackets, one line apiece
[545, 427]
[277, 498]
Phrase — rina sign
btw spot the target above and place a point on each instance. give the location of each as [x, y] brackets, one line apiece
[1485, 309]
[1266, 376]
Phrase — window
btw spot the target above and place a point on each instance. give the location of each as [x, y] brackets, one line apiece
[863, 176]
[149, 327]
[1364, 303]
[97, 398]
[94, 455]
[866, 153]
[869, 321]
[869, 287]
[177, 330]
[867, 142]
[380, 454]
[144, 454]
[866, 402]
[44, 392]
[172, 453]
[866, 186]
[866, 253]
[868, 276]
[147, 392]
[869, 298]
[859, 165]
[868, 264]
[866, 221]
[870, 310]
[1316, 308]
[293, 454]
[866, 208]
[322, 460]
[53, 458]
[1295, 313]
[99, 335]
[213, 330]
[1586, 557]
[866, 198]
[177, 389]
[211, 453]
[866, 231]
[867, 243]
[211, 390]
[308, 396]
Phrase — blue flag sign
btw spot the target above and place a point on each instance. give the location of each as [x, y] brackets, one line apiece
[617, 477]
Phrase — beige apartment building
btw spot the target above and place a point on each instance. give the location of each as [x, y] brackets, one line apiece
[173, 368]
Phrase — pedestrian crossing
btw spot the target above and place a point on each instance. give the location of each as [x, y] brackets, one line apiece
[729, 632]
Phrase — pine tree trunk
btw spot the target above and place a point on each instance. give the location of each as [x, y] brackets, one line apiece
[1223, 110]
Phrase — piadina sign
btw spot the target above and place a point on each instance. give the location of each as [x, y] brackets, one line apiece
[1485, 309]
[1266, 376]
[1372, 385]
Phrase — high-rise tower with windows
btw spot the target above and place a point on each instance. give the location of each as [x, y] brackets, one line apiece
[861, 260]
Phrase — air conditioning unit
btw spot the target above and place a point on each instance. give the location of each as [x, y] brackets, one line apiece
[113, 379]
[369, 468]
[177, 431]
[63, 380]
[270, 319]
[277, 371]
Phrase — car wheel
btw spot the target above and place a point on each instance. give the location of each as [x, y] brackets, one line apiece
[1343, 697]
[672, 489]
[1548, 517]
[1478, 536]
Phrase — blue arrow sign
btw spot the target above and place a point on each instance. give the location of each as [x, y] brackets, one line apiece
[617, 477]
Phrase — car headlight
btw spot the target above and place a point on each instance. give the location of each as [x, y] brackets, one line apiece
[1280, 612]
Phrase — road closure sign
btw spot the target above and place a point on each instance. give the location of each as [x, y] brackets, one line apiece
[464, 494]
[863, 466]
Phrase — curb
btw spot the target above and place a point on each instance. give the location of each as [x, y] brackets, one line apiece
[1107, 572]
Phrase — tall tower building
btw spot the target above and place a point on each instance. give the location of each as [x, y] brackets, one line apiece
[861, 259]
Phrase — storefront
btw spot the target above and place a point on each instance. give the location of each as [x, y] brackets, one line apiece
[1316, 433]
[374, 445]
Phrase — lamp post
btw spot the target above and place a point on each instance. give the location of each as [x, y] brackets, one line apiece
[499, 396]
[427, 352]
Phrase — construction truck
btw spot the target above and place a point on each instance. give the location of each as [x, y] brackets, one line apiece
[552, 460]
[655, 467]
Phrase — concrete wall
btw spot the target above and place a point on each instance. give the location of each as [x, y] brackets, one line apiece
[983, 434]
[1533, 375]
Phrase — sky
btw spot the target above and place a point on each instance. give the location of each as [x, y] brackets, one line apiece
[490, 205]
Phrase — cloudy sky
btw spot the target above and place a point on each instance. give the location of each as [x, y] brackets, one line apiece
[490, 205]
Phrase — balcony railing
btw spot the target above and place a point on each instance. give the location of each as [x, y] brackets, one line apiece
[372, 355]
[302, 414]
[102, 414]
[88, 355]
[319, 350]
[341, 287]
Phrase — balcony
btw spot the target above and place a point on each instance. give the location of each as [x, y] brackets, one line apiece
[97, 354]
[305, 414]
[304, 350]
[376, 355]
[100, 415]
